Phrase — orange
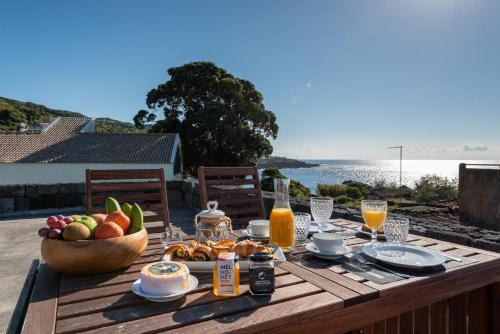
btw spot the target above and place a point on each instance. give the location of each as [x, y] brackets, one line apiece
[108, 230]
[120, 218]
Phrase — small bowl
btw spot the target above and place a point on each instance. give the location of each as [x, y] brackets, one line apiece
[88, 257]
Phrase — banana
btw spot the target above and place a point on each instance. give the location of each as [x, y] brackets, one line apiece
[112, 205]
[137, 219]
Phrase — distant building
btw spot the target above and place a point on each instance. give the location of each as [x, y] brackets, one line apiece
[61, 151]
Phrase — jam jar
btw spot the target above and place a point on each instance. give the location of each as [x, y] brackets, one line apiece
[261, 274]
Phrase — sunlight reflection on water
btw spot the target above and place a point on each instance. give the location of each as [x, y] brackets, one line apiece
[369, 171]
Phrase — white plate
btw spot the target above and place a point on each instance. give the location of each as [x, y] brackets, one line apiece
[414, 257]
[207, 266]
[314, 228]
[136, 288]
[359, 229]
[311, 247]
[255, 237]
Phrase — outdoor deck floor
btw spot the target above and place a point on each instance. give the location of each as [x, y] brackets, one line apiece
[20, 244]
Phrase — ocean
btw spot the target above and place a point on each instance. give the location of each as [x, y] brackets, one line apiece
[370, 171]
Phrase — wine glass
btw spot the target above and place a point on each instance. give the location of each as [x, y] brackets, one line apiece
[171, 236]
[321, 210]
[374, 213]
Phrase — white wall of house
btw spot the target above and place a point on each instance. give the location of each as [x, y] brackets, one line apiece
[49, 173]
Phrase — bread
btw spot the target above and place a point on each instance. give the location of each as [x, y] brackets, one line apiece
[200, 252]
[179, 252]
[246, 248]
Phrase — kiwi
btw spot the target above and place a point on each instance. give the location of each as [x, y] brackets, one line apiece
[76, 232]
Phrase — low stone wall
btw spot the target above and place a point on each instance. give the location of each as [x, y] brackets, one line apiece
[17, 199]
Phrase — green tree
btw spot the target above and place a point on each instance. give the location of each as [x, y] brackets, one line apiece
[221, 119]
[297, 189]
[435, 188]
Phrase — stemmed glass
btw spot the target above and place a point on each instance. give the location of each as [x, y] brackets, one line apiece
[374, 213]
[321, 210]
[171, 236]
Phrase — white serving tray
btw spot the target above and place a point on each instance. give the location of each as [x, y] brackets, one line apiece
[207, 266]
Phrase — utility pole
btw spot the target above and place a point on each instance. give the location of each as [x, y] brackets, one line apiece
[400, 163]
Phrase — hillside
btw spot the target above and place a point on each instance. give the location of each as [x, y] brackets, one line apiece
[281, 162]
[13, 112]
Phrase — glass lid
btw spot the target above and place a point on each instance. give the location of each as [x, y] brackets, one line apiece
[212, 211]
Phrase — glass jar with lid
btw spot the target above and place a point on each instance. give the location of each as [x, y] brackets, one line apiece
[261, 274]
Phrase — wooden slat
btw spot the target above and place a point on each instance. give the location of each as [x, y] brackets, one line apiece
[164, 200]
[41, 313]
[439, 320]
[17, 319]
[124, 186]
[478, 309]
[153, 218]
[379, 327]
[392, 325]
[457, 310]
[244, 191]
[125, 174]
[232, 182]
[228, 171]
[406, 323]
[421, 320]
[241, 211]
[195, 307]
[257, 321]
[238, 201]
[128, 197]
[495, 307]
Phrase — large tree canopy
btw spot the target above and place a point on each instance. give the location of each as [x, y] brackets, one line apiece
[221, 119]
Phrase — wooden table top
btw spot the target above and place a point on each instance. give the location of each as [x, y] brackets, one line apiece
[308, 290]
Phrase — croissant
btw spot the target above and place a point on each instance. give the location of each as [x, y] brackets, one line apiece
[201, 252]
[217, 249]
[179, 252]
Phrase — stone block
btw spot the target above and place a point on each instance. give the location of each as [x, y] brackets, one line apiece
[43, 202]
[174, 196]
[67, 188]
[7, 205]
[47, 189]
[31, 191]
[81, 188]
[22, 204]
[175, 185]
[12, 191]
[67, 200]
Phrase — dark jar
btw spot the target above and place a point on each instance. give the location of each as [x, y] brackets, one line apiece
[261, 274]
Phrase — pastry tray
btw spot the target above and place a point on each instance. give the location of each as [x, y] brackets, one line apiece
[208, 266]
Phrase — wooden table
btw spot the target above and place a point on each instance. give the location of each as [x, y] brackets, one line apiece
[311, 297]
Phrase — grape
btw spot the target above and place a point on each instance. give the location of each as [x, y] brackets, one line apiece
[44, 232]
[60, 225]
[51, 220]
[55, 233]
[60, 217]
[68, 220]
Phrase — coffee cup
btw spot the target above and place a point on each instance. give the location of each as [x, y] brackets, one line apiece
[328, 243]
[259, 228]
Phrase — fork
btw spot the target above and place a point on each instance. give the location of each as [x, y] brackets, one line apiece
[363, 260]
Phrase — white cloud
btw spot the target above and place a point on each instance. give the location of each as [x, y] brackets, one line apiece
[475, 147]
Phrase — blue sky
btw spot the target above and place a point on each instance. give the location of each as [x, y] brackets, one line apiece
[345, 78]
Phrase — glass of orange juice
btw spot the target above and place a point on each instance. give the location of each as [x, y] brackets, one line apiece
[374, 213]
[282, 221]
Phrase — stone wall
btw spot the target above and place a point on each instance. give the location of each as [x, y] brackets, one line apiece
[17, 199]
[479, 195]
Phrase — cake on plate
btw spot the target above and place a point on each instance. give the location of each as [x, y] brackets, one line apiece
[164, 278]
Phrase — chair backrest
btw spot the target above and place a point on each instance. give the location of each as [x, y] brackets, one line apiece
[145, 187]
[237, 189]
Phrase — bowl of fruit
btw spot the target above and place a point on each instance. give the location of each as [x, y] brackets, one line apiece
[95, 244]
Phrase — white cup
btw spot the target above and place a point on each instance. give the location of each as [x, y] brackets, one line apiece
[259, 228]
[328, 243]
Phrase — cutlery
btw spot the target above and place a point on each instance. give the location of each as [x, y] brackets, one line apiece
[452, 257]
[363, 260]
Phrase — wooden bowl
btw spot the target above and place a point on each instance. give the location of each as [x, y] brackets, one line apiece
[87, 257]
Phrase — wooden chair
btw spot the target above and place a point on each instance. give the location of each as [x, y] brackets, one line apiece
[145, 187]
[237, 189]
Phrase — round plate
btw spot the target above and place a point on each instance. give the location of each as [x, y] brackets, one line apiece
[314, 228]
[136, 288]
[359, 229]
[311, 247]
[255, 237]
[413, 257]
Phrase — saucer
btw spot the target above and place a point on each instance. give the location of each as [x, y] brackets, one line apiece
[136, 288]
[314, 228]
[311, 247]
[256, 237]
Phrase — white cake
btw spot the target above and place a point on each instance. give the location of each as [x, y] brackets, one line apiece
[164, 278]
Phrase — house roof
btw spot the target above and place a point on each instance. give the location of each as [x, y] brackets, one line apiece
[63, 142]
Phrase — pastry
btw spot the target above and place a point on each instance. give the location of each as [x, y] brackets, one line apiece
[164, 278]
[179, 252]
[200, 252]
[246, 247]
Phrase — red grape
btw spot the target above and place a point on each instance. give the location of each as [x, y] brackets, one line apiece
[68, 220]
[51, 220]
[60, 217]
[55, 233]
[44, 232]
